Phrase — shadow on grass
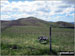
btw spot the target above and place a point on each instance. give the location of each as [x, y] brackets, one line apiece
[53, 52]
[44, 51]
[48, 52]
[29, 50]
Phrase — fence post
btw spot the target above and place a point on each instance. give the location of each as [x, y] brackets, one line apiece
[50, 39]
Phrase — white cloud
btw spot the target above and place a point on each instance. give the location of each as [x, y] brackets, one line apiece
[69, 1]
[20, 16]
[5, 17]
[68, 10]
[40, 9]
[73, 14]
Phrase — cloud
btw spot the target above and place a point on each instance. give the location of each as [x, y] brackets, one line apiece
[69, 1]
[64, 6]
[45, 10]
[58, 11]
[5, 17]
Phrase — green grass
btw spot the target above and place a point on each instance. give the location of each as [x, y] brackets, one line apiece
[25, 38]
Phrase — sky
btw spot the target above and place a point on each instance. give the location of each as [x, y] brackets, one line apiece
[48, 10]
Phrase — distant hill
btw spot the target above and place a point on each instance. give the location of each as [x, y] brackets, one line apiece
[64, 24]
[32, 21]
[72, 22]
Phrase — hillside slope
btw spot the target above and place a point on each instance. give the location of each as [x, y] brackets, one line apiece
[32, 21]
[64, 24]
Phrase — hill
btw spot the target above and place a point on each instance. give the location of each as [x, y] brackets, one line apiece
[72, 22]
[64, 24]
[32, 21]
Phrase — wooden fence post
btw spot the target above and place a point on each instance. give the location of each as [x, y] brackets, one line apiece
[50, 40]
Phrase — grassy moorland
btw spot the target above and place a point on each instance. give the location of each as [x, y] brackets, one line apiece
[20, 37]
[25, 39]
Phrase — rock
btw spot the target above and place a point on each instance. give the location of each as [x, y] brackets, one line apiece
[43, 39]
